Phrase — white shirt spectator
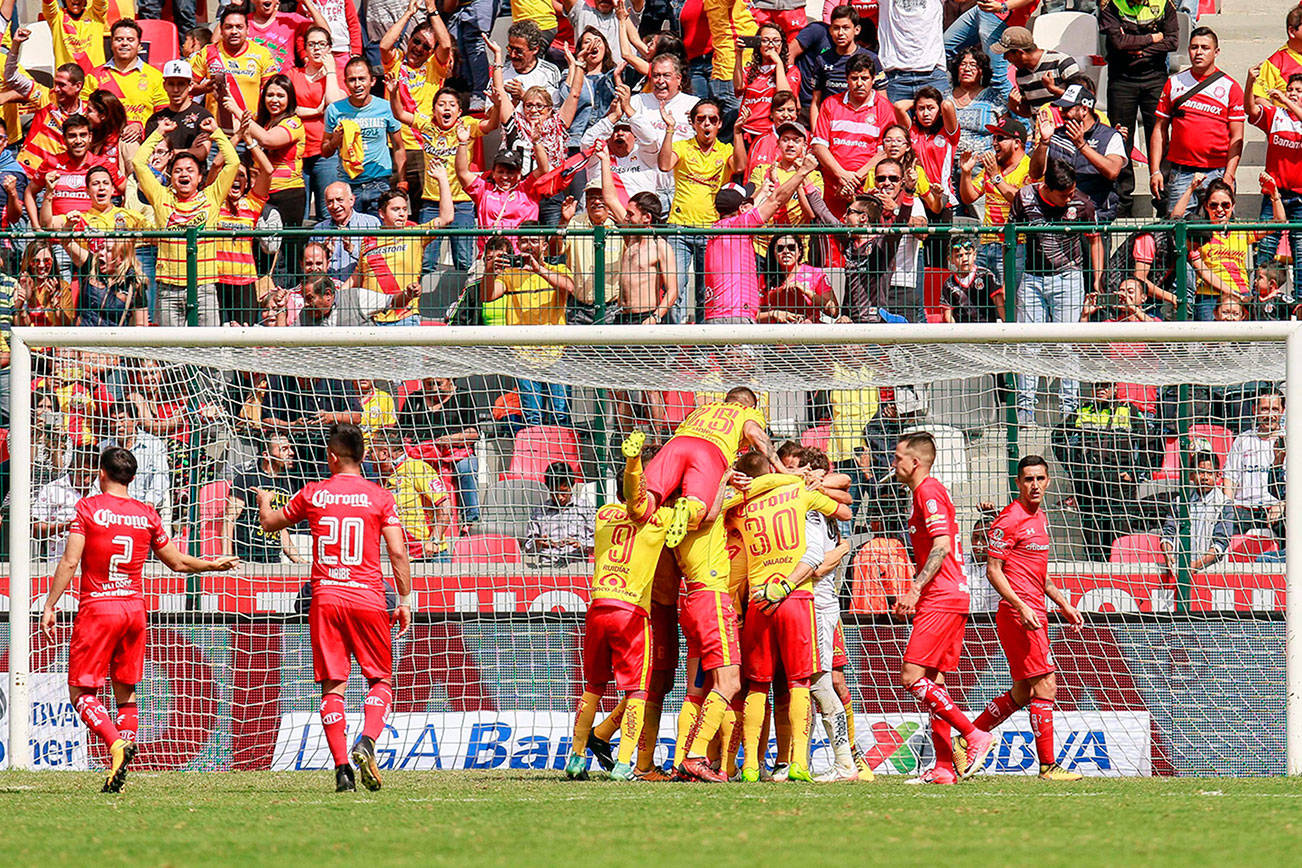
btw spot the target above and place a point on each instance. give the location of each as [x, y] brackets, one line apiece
[583, 15]
[153, 477]
[631, 170]
[649, 127]
[911, 34]
[544, 74]
[56, 502]
[904, 268]
[1248, 467]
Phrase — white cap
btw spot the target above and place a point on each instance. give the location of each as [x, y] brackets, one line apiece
[177, 69]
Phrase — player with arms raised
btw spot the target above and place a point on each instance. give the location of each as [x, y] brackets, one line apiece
[938, 602]
[110, 537]
[349, 616]
[1017, 564]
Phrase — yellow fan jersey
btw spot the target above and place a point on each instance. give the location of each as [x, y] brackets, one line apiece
[771, 520]
[626, 555]
[416, 487]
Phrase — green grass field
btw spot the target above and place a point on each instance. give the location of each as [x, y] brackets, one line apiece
[295, 818]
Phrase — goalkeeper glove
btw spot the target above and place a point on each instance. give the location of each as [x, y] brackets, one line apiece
[773, 593]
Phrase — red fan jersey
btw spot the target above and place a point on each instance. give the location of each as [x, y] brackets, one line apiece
[119, 532]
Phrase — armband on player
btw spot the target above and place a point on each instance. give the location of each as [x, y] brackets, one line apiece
[405, 600]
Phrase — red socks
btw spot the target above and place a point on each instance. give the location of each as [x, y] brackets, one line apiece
[942, 742]
[96, 717]
[997, 711]
[128, 720]
[332, 719]
[376, 708]
[938, 701]
[1042, 725]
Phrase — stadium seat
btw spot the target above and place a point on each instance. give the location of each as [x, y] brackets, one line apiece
[487, 548]
[158, 41]
[1137, 548]
[933, 282]
[817, 436]
[505, 507]
[880, 570]
[539, 446]
[1075, 34]
[38, 53]
[1247, 547]
[951, 453]
[4, 445]
[212, 506]
[401, 391]
[1219, 437]
[678, 406]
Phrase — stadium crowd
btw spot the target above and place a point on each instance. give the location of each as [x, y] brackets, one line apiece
[705, 115]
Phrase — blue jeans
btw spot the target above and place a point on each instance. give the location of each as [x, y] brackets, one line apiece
[689, 256]
[1204, 309]
[463, 248]
[980, 28]
[1178, 180]
[1049, 298]
[903, 84]
[368, 195]
[991, 255]
[473, 22]
[544, 403]
[182, 14]
[319, 172]
[727, 97]
[1268, 245]
[466, 471]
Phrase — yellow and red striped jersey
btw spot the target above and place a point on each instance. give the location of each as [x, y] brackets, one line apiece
[234, 255]
[416, 89]
[77, 40]
[243, 73]
[387, 265]
[45, 136]
[288, 159]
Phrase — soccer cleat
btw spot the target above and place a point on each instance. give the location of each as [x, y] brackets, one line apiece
[363, 757]
[697, 768]
[838, 774]
[676, 530]
[601, 750]
[576, 767]
[978, 748]
[799, 773]
[750, 776]
[1055, 772]
[344, 782]
[622, 772]
[935, 775]
[765, 775]
[865, 771]
[633, 443]
[121, 753]
[653, 775]
[960, 756]
[780, 772]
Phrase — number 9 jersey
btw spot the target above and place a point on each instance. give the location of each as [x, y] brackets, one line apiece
[347, 515]
[626, 555]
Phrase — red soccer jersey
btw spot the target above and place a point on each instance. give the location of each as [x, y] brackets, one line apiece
[1021, 540]
[1283, 146]
[119, 533]
[936, 153]
[68, 192]
[853, 135]
[1200, 136]
[346, 514]
[758, 95]
[934, 516]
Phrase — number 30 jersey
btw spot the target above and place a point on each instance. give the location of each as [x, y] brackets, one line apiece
[346, 514]
[626, 556]
[771, 520]
[119, 532]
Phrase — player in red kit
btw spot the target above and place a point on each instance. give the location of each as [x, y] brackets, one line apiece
[938, 602]
[349, 617]
[111, 536]
[1017, 564]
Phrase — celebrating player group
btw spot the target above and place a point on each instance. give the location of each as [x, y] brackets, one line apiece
[742, 544]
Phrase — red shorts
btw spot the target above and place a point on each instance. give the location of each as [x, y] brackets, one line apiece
[789, 21]
[688, 465]
[936, 640]
[664, 637]
[340, 632]
[840, 659]
[1027, 650]
[108, 639]
[781, 641]
[616, 639]
[710, 627]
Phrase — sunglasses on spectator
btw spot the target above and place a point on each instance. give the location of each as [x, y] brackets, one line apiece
[1220, 206]
[998, 138]
[515, 52]
[963, 244]
[707, 119]
[887, 179]
[787, 248]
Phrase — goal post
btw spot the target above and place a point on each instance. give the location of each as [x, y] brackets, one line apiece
[707, 360]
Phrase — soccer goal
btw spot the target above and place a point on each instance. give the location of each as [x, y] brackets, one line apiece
[1172, 484]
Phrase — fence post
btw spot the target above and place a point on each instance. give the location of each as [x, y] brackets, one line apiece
[1184, 535]
[192, 275]
[1181, 272]
[1009, 241]
[599, 273]
[600, 443]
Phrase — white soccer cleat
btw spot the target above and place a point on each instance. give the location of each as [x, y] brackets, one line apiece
[838, 774]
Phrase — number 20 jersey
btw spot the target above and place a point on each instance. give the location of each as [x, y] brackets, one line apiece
[119, 532]
[346, 514]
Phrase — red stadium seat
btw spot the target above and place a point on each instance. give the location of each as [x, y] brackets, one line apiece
[932, 283]
[1247, 547]
[1138, 548]
[539, 446]
[487, 548]
[817, 436]
[405, 388]
[1220, 437]
[161, 38]
[212, 506]
[678, 406]
[881, 570]
[4, 445]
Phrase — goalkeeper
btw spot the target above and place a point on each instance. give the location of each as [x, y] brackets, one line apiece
[779, 626]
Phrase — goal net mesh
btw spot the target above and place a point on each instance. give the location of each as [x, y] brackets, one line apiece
[509, 449]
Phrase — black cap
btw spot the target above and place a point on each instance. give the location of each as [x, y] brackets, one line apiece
[1008, 126]
[732, 196]
[508, 158]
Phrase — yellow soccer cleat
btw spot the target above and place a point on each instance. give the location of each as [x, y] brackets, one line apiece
[960, 755]
[866, 773]
[632, 445]
[121, 753]
[676, 531]
[799, 773]
[1055, 772]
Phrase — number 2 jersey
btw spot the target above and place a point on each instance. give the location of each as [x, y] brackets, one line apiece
[346, 514]
[934, 516]
[119, 532]
[627, 553]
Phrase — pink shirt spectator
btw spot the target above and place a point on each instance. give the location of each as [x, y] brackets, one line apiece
[802, 293]
[278, 35]
[501, 209]
[732, 285]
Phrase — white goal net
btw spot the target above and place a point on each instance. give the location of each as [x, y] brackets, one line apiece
[1168, 515]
